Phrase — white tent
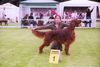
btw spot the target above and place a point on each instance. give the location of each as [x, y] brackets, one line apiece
[99, 10]
[80, 3]
[25, 6]
[11, 11]
[0, 11]
[39, 1]
[28, 5]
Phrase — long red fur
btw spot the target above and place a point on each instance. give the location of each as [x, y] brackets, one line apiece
[38, 33]
[64, 36]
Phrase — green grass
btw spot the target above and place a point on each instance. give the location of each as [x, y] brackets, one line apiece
[12, 24]
[19, 48]
[98, 24]
[19, 23]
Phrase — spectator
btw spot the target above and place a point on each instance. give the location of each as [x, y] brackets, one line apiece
[25, 21]
[50, 19]
[41, 16]
[40, 22]
[31, 16]
[31, 20]
[88, 17]
[74, 15]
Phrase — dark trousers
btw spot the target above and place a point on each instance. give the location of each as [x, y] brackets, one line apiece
[56, 46]
[87, 23]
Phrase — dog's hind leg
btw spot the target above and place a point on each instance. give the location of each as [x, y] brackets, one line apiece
[42, 46]
[47, 41]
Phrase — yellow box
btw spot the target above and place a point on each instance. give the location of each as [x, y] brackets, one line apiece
[54, 56]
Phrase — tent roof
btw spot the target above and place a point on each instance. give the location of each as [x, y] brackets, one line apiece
[39, 1]
[8, 5]
[79, 3]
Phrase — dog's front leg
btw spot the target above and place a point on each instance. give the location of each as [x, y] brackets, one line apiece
[67, 46]
[67, 49]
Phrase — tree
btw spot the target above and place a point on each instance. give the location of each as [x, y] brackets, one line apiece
[95, 0]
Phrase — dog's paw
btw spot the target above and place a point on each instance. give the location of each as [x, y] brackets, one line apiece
[40, 52]
[68, 54]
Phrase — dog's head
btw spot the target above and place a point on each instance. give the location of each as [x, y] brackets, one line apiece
[76, 22]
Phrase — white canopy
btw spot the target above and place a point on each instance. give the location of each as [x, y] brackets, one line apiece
[11, 11]
[8, 5]
[39, 1]
[80, 3]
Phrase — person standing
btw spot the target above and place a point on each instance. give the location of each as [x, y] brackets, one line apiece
[88, 17]
[31, 20]
[55, 25]
[31, 16]
[25, 21]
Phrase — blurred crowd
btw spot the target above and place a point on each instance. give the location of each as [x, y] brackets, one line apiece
[37, 20]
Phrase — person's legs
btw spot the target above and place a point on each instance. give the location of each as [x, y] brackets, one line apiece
[86, 24]
[60, 57]
[34, 23]
[90, 23]
[56, 45]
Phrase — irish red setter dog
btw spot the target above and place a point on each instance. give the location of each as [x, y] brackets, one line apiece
[65, 36]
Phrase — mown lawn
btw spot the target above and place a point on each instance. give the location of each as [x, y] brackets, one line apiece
[19, 48]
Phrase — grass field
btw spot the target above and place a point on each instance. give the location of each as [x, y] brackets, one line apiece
[19, 48]
[18, 24]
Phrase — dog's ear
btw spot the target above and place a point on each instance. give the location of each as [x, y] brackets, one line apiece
[75, 23]
[78, 22]
[72, 24]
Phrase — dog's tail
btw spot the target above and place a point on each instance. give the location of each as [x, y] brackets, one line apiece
[38, 33]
